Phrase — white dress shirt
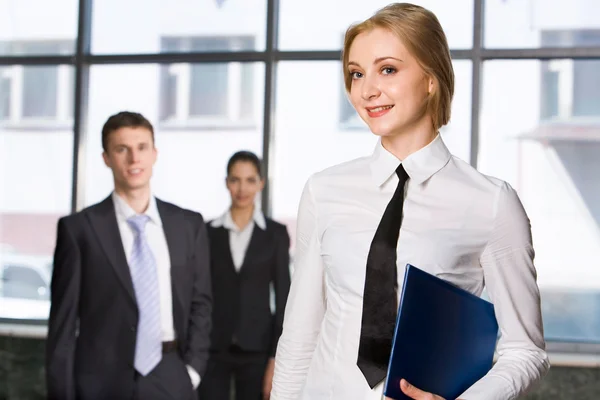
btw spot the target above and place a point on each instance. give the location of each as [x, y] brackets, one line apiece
[239, 239]
[158, 243]
[459, 225]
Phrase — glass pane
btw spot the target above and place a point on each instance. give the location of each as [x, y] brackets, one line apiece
[23, 282]
[5, 95]
[27, 32]
[39, 91]
[309, 141]
[178, 26]
[329, 20]
[36, 162]
[545, 142]
[542, 23]
[194, 136]
[209, 87]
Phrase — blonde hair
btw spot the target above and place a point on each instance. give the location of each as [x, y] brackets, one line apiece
[420, 31]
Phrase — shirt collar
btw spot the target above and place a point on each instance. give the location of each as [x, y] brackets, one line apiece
[420, 165]
[124, 210]
[226, 221]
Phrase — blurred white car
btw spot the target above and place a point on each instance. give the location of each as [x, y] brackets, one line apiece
[24, 286]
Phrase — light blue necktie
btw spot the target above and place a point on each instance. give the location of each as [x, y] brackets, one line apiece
[148, 345]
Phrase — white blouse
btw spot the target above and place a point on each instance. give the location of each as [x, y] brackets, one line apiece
[239, 239]
[462, 226]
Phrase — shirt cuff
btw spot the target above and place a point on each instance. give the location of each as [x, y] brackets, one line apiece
[490, 387]
[194, 377]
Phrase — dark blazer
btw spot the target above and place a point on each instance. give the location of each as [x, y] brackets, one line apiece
[241, 304]
[93, 315]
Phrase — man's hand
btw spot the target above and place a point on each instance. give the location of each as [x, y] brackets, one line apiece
[416, 393]
[268, 378]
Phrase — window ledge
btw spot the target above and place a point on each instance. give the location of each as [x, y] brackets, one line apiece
[36, 126]
[573, 355]
[32, 329]
[577, 360]
[206, 125]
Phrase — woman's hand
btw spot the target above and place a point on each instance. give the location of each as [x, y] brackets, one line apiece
[268, 379]
[416, 393]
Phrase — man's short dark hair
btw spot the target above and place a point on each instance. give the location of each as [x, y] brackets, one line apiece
[245, 156]
[124, 119]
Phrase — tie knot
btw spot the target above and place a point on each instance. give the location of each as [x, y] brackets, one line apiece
[402, 174]
[138, 222]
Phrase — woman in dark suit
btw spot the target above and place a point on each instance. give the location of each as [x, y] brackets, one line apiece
[250, 280]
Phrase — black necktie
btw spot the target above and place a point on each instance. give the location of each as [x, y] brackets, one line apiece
[380, 299]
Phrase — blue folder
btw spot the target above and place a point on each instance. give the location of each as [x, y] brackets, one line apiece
[444, 340]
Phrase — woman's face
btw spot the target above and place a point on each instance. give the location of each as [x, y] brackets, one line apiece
[389, 89]
[243, 183]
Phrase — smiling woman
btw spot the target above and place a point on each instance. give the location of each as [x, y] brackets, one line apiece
[361, 222]
[250, 279]
[392, 86]
[418, 64]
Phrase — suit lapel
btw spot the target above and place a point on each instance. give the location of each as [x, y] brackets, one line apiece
[173, 227]
[222, 239]
[104, 222]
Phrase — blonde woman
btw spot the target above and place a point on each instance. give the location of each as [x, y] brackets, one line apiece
[410, 201]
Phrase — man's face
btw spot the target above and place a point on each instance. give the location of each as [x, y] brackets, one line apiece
[130, 154]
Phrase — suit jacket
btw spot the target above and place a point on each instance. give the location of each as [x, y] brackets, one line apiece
[241, 305]
[94, 315]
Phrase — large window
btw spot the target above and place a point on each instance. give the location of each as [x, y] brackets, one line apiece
[526, 109]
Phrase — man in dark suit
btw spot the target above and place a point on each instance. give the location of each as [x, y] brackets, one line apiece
[131, 289]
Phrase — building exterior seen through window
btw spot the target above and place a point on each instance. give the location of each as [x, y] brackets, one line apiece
[539, 122]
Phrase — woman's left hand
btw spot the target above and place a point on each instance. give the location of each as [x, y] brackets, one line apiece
[416, 393]
[268, 379]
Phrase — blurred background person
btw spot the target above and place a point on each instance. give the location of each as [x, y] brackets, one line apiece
[249, 258]
[131, 302]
